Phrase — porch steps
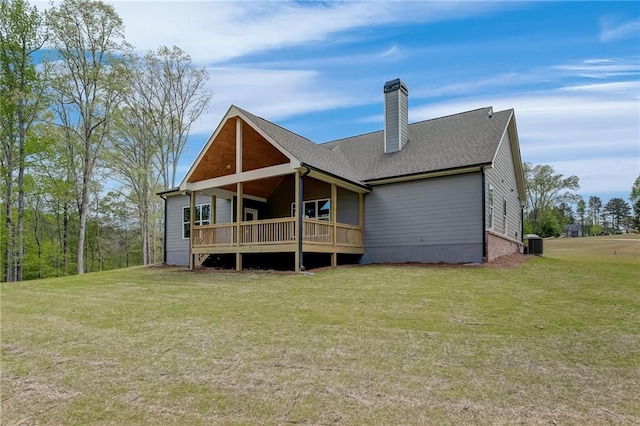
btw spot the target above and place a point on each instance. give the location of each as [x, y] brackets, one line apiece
[201, 258]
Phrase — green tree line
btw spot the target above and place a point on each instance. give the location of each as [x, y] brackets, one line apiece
[552, 204]
[90, 132]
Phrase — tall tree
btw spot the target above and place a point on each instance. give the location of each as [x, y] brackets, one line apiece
[635, 203]
[546, 190]
[581, 211]
[595, 207]
[133, 161]
[174, 94]
[619, 210]
[167, 95]
[21, 98]
[89, 38]
[635, 190]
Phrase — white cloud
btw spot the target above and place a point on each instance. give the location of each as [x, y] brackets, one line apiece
[602, 68]
[601, 175]
[216, 31]
[591, 131]
[605, 88]
[612, 29]
[273, 94]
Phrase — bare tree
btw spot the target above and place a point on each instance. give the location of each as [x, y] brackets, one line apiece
[133, 161]
[173, 94]
[167, 95]
[89, 37]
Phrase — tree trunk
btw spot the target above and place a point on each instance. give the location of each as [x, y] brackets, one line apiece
[36, 215]
[83, 210]
[21, 160]
[65, 237]
[10, 245]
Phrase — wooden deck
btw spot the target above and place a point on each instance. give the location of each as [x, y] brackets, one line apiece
[277, 235]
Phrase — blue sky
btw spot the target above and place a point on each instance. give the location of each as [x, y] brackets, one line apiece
[570, 70]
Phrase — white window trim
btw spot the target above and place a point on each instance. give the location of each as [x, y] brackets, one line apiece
[197, 221]
[318, 202]
[249, 210]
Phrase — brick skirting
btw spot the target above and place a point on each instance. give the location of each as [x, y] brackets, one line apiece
[500, 246]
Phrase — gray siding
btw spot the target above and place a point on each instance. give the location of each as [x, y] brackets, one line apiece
[176, 246]
[396, 120]
[430, 220]
[391, 122]
[347, 207]
[279, 203]
[503, 179]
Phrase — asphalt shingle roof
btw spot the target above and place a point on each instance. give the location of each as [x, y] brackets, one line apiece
[306, 151]
[455, 141]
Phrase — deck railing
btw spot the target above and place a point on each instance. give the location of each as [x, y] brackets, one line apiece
[270, 231]
[277, 231]
[348, 235]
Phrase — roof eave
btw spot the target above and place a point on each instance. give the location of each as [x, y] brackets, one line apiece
[339, 180]
[429, 174]
[169, 192]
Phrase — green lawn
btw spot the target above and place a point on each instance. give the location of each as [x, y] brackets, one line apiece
[553, 341]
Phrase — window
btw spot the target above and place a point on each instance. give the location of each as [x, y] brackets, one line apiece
[490, 206]
[315, 209]
[202, 217]
[504, 215]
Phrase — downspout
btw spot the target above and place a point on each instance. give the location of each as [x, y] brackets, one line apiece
[484, 215]
[164, 236]
[522, 225]
[300, 216]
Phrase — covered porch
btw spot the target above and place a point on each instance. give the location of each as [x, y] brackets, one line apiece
[279, 204]
[257, 228]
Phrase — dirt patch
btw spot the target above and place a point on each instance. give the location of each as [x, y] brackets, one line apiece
[509, 261]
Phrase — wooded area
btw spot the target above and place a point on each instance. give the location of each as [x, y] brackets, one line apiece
[552, 204]
[90, 133]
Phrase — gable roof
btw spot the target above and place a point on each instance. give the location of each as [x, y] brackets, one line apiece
[306, 151]
[452, 142]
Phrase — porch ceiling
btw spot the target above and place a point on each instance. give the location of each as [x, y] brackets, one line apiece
[258, 188]
[257, 153]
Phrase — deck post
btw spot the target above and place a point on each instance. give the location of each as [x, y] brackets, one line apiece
[334, 218]
[361, 216]
[238, 220]
[214, 209]
[298, 222]
[239, 192]
[192, 213]
[333, 215]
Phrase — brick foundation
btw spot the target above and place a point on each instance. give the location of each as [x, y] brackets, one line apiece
[498, 245]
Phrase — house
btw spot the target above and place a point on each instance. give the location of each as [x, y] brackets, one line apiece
[448, 189]
[573, 230]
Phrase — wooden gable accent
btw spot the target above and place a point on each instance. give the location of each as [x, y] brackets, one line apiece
[220, 159]
[257, 153]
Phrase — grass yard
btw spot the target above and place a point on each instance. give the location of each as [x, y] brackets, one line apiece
[553, 341]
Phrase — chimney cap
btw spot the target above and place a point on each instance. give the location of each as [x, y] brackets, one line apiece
[397, 84]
